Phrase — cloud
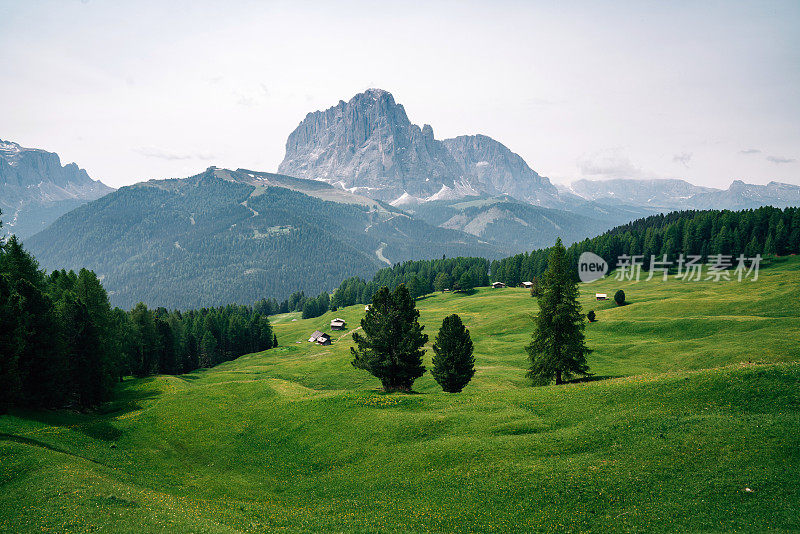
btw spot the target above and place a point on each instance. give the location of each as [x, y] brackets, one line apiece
[778, 160]
[246, 101]
[159, 153]
[683, 158]
[750, 151]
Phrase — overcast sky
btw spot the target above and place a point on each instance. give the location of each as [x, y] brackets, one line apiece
[706, 91]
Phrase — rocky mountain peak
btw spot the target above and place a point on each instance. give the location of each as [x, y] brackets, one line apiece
[35, 187]
[368, 145]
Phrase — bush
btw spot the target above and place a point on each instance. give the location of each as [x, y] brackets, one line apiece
[619, 297]
[590, 316]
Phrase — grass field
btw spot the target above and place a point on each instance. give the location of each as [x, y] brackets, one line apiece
[691, 423]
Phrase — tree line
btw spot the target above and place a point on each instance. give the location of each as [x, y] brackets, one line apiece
[62, 344]
[766, 231]
[309, 306]
[420, 278]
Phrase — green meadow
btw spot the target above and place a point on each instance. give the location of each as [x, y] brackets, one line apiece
[690, 423]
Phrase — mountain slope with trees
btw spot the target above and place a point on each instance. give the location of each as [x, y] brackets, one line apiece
[230, 236]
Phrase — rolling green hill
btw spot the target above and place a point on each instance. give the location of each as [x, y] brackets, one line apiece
[692, 423]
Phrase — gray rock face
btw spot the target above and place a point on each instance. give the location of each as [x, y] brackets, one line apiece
[35, 189]
[490, 167]
[370, 146]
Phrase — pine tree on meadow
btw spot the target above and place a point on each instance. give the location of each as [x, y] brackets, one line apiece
[391, 346]
[453, 363]
[558, 350]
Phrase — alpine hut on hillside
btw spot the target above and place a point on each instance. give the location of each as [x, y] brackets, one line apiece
[527, 285]
[498, 285]
[320, 338]
[315, 336]
[338, 324]
[601, 296]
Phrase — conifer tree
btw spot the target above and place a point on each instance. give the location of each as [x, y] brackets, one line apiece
[558, 350]
[208, 349]
[10, 346]
[441, 282]
[145, 359]
[453, 364]
[42, 362]
[391, 346]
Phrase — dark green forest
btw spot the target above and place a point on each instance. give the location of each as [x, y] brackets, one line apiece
[63, 345]
[420, 277]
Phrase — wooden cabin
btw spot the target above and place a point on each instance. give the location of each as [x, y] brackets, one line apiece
[324, 339]
[315, 336]
[338, 324]
[527, 285]
[498, 285]
[601, 296]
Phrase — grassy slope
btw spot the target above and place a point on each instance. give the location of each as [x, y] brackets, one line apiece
[297, 439]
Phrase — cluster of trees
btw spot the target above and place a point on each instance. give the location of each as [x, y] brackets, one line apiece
[310, 307]
[390, 347]
[419, 277]
[62, 344]
[158, 341]
[765, 231]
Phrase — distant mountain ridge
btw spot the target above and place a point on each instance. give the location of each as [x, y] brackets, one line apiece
[369, 145]
[35, 189]
[671, 194]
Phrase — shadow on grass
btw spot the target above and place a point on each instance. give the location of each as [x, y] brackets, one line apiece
[396, 392]
[591, 378]
[36, 443]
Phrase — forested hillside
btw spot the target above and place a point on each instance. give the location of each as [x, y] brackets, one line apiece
[216, 238]
[766, 231]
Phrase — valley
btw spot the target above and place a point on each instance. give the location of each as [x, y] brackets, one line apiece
[690, 422]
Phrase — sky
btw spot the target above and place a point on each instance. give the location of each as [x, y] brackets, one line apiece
[699, 90]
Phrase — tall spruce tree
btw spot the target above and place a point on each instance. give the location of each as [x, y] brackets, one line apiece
[391, 347]
[453, 364]
[558, 350]
[42, 361]
[10, 346]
